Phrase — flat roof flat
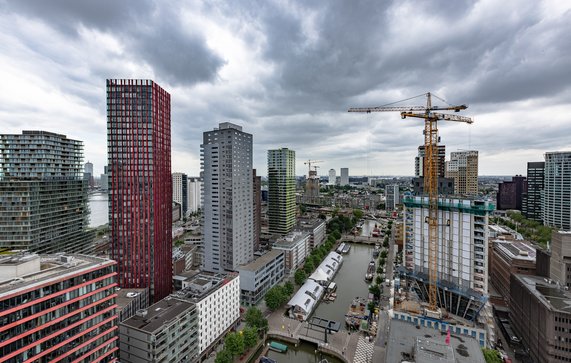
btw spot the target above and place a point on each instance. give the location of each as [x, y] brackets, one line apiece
[124, 296]
[550, 294]
[261, 261]
[403, 342]
[158, 315]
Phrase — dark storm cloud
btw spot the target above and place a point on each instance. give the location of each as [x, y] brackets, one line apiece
[177, 54]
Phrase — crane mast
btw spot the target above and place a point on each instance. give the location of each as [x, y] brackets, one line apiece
[431, 173]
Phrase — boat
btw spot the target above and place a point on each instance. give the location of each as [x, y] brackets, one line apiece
[265, 359]
[346, 248]
[356, 313]
[340, 248]
[376, 231]
[377, 250]
[278, 347]
[370, 271]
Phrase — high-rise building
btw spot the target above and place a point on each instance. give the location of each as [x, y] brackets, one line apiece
[344, 177]
[510, 193]
[391, 197]
[463, 167]
[43, 196]
[180, 191]
[228, 208]
[194, 194]
[88, 174]
[531, 201]
[140, 184]
[281, 190]
[556, 195]
[332, 177]
[462, 251]
[57, 308]
[419, 163]
[445, 186]
[257, 203]
[105, 179]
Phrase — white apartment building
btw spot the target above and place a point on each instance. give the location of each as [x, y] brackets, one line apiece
[217, 298]
[317, 229]
[228, 195]
[296, 247]
[194, 194]
[332, 177]
[257, 277]
[344, 177]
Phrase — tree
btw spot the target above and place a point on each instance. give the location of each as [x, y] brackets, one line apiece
[371, 306]
[288, 287]
[380, 269]
[255, 319]
[378, 280]
[322, 216]
[336, 235]
[223, 356]
[375, 290]
[299, 277]
[250, 337]
[234, 343]
[358, 213]
[275, 297]
[491, 356]
[308, 267]
[384, 254]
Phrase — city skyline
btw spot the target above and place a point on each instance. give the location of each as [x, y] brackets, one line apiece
[288, 73]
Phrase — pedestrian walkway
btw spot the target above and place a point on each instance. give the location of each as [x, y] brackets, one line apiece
[364, 352]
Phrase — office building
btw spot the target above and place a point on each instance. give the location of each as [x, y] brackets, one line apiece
[165, 332]
[57, 308]
[332, 177]
[510, 258]
[462, 251]
[510, 193]
[295, 246]
[420, 165]
[560, 262]
[281, 190]
[228, 208]
[531, 201]
[140, 184]
[104, 180]
[194, 194]
[217, 298]
[257, 205]
[556, 195]
[180, 191]
[88, 174]
[257, 277]
[463, 167]
[539, 312]
[344, 177]
[392, 196]
[43, 203]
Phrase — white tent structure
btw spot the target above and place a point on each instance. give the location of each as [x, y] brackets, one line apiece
[327, 269]
[304, 301]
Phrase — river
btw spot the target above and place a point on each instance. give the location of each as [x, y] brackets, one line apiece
[98, 209]
[304, 353]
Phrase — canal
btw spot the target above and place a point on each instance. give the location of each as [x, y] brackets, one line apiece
[303, 353]
[98, 208]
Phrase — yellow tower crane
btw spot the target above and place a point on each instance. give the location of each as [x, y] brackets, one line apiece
[431, 139]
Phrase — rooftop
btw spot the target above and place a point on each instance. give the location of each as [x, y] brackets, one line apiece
[19, 271]
[551, 294]
[516, 250]
[125, 296]
[291, 239]
[310, 222]
[405, 339]
[158, 315]
[203, 284]
[261, 261]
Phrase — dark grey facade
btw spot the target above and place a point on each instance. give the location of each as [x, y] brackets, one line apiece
[43, 204]
[445, 186]
[531, 200]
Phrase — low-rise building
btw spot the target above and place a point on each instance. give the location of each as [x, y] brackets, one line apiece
[510, 258]
[295, 246]
[540, 313]
[257, 277]
[217, 298]
[317, 229]
[305, 300]
[57, 308]
[165, 332]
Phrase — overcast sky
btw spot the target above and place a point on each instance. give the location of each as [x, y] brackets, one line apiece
[287, 71]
